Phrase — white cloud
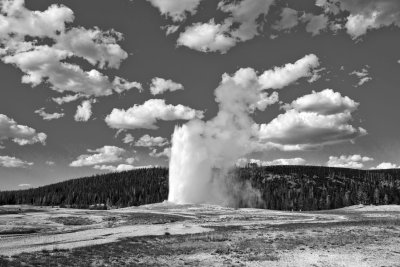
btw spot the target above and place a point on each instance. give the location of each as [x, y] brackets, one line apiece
[84, 111]
[66, 99]
[25, 185]
[50, 163]
[128, 139]
[313, 120]
[325, 102]
[47, 64]
[165, 153]
[349, 161]
[176, 9]
[293, 161]
[212, 37]
[358, 24]
[316, 23]
[131, 160]
[289, 19]
[170, 29]
[48, 116]
[20, 134]
[245, 13]
[146, 115]
[44, 63]
[118, 168]
[16, 19]
[150, 141]
[368, 14]
[386, 165]
[280, 77]
[12, 162]
[96, 46]
[206, 37]
[363, 75]
[160, 86]
[106, 154]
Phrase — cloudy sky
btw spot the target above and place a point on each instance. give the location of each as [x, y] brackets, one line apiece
[96, 86]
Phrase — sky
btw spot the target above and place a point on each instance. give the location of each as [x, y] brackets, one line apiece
[97, 86]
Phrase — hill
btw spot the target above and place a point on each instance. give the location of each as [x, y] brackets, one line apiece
[130, 188]
[279, 187]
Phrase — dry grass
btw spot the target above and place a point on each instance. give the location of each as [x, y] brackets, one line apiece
[19, 231]
[232, 246]
[73, 220]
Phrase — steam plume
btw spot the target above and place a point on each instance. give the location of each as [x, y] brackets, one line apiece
[203, 152]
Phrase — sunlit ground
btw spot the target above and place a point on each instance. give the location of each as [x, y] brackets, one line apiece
[199, 235]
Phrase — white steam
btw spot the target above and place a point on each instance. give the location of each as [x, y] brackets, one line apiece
[202, 152]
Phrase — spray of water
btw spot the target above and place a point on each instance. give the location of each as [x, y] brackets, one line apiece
[203, 152]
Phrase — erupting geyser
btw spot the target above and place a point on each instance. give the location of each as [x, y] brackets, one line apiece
[199, 148]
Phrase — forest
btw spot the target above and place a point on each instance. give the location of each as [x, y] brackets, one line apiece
[277, 187]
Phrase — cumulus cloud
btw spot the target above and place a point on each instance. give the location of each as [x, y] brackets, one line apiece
[50, 163]
[66, 99]
[16, 19]
[363, 76]
[24, 185]
[386, 165]
[48, 116]
[44, 63]
[146, 115]
[131, 160]
[84, 111]
[246, 14]
[160, 86]
[293, 161]
[128, 139]
[316, 23]
[289, 19]
[280, 77]
[326, 102]
[307, 124]
[150, 141]
[207, 37]
[349, 161]
[20, 134]
[106, 154]
[118, 168]
[364, 15]
[177, 10]
[170, 29]
[97, 47]
[164, 153]
[12, 162]
[48, 64]
[242, 24]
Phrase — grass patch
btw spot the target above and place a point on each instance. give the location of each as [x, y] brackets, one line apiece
[11, 211]
[73, 220]
[19, 231]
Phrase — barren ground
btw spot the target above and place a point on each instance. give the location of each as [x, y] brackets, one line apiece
[199, 235]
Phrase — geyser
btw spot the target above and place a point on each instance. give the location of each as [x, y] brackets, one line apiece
[202, 152]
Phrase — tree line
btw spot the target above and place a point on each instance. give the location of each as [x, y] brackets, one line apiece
[319, 188]
[122, 189]
[277, 187]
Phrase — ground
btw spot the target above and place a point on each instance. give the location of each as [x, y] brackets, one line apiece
[199, 235]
